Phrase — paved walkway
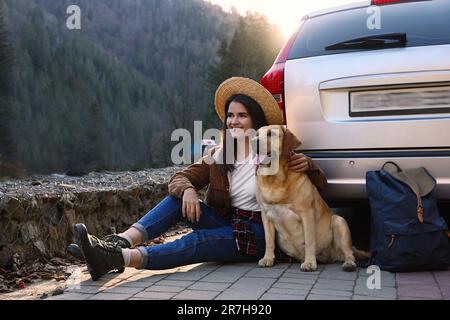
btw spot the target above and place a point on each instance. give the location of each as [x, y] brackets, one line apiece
[246, 281]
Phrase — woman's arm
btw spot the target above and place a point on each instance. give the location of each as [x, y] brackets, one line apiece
[184, 185]
[196, 176]
[298, 162]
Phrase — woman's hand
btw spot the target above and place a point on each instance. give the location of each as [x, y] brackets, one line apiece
[191, 205]
[298, 162]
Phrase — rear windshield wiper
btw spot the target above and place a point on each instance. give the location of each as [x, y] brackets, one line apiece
[389, 40]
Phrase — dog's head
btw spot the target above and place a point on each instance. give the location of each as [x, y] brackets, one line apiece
[274, 141]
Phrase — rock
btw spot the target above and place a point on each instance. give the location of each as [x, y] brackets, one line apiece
[37, 218]
[70, 217]
[29, 232]
[58, 261]
[13, 206]
[5, 257]
[53, 232]
[58, 291]
[67, 186]
[40, 246]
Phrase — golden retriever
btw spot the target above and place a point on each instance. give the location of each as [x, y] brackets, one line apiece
[293, 211]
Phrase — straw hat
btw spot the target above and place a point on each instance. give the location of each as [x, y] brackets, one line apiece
[251, 88]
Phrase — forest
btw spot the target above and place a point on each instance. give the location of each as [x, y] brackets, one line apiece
[108, 96]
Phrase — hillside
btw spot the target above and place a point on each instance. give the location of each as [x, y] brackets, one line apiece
[108, 96]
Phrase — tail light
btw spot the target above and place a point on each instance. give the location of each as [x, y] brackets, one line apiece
[383, 2]
[273, 80]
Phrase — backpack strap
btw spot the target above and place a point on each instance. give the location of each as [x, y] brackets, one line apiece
[404, 177]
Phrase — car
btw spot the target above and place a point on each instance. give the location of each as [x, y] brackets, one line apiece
[367, 83]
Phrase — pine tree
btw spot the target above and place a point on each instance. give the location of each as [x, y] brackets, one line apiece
[250, 53]
[7, 148]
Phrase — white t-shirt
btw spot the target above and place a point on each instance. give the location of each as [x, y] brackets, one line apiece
[243, 185]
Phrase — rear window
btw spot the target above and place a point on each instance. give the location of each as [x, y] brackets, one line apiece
[425, 23]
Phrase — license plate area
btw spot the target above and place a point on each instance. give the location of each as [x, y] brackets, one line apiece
[381, 101]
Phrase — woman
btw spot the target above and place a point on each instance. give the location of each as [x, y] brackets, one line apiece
[227, 226]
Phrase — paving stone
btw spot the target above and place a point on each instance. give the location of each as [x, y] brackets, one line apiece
[412, 298]
[293, 286]
[207, 266]
[383, 273]
[154, 295]
[86, 289]
[442, 277]
[341, 275]
[137, 284]
[384, 292]
[385, 281]
[70, 296]
[419, 291]
[196, 295]
[241, 264]
[129, 272]
[301, 275]
[157, 288]
[217, 276]
[333, 267]
[210, 286]
[251, 283]
[415, 278]
[189, 276]
[123, 289]
[101, 282]
[335, 282]
[150, 278]
[265, 272]
[358, 297]
[331, 292]
[240, 269]
[344, 286]
[240, 294]
[292, 280]
[295, 292]
[189, 267]
[111, 296]
[325, 297]
[297, 270]
[445, 292]
[272, 296]
[176, 283]
[283, 266]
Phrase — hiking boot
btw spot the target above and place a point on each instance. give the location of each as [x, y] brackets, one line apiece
[101, 256]
[117, 240]
[76, 251]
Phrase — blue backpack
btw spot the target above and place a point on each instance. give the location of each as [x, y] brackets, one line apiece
[407, 232]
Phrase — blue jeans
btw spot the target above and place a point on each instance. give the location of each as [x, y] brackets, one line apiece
[211, 240]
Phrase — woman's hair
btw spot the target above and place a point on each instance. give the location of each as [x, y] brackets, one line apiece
[256, 114]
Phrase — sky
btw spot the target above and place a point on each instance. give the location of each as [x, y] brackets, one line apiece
[285, 13]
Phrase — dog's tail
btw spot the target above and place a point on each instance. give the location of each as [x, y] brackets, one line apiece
[360, 254]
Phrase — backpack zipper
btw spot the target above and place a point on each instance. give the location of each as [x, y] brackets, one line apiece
[392, 240]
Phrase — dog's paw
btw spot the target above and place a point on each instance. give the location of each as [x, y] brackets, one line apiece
[349, 266]
[308, 266]
[266, 262]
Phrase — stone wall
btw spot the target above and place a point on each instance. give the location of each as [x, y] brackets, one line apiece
[40, 224]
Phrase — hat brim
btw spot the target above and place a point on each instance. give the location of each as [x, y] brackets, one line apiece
[251, 88]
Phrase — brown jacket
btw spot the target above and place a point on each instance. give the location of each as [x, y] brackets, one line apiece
[201, 174]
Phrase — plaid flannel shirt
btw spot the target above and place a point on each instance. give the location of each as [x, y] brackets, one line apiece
[245, 238]
[242, 231]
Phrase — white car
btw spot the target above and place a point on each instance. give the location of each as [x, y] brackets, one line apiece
[367, 83]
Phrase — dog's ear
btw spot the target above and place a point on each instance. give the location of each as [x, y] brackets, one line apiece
[290, 141]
